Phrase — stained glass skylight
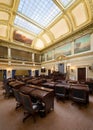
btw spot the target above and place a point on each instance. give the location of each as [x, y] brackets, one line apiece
[26, 25]
[41, 11]
[66, 3]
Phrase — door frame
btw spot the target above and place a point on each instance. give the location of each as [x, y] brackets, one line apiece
[85, 72]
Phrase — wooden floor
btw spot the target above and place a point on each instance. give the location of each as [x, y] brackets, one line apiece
[64, 117]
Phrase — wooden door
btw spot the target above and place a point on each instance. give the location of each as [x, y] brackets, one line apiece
[81, 74]
[1, 75]
[49, 72]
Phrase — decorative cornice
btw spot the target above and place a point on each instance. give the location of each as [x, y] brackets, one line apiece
[84, 30]
[68, 58]
[91, 7]
[15, 45]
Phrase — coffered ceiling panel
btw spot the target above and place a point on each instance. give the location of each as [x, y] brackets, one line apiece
[7, 2]
[39, 45]
[60, 28]
[4, 16]
[47, 38]
[80, 14]
[3, 30]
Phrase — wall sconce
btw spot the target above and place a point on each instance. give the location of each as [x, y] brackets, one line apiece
[68, 65]
[33, 70]
[8, 71]
[72, 70]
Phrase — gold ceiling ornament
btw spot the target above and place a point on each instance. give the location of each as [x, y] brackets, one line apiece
[61, 57]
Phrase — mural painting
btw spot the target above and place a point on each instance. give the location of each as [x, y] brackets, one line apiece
[82, 44]
[21, 38]
[63, 50]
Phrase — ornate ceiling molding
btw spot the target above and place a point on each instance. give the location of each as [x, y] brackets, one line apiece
[91, 7]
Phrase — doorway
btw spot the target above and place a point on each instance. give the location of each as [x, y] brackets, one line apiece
[81, 74]
[36, 73]
[2, 75]
[49, 72]
[61, 68]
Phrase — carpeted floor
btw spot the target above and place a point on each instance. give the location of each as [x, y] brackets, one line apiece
[64, 117]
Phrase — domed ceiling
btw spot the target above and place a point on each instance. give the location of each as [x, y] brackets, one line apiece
[39, 24]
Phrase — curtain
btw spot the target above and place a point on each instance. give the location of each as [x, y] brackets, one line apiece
[4, 74]
[13, 73]
[30, 72]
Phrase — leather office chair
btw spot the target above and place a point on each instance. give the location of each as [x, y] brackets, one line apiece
[18, 98]
[8, 91]
[60, 91]
[90, 85]
[30, 108]
[79, 94]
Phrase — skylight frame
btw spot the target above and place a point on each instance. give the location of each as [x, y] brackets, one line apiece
[66, 3]
[23, 23]
[37, 10]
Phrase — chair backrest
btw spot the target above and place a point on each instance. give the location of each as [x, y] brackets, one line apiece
[17, 95]
[8, 89]
[27, 103]
[60, 90]
[81, 94]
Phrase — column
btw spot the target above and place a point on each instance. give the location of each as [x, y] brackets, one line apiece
[33, 57]
[72, 48]
[45, 56]
[9, 53]
[53, 54]
[40, 58]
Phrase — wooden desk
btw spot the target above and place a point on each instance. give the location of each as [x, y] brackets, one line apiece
[16, 84]
[41, 88]
[90, 85]
[10, 80]
[82, 87]
[40, 94]
[26, 90]
[44, 96]
[25, 79]
[31, 80]
[49, 85]
[67, 86]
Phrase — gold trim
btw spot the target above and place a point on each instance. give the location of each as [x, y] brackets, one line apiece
[6, 5]
[5, 37]
[87, 16]
[7, 12]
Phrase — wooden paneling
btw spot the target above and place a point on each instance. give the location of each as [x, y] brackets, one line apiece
[3, 52]
[21, 55]
[37, 57]
[21, 72]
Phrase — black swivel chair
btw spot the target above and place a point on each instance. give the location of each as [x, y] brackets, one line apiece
[79, 94]
[60, 91]
[18, 98]
[30, 108]
[8, 91]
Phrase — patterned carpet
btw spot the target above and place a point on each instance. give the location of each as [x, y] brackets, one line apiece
[64, 117]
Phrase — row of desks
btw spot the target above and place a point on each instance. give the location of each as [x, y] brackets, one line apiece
[45, 95]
